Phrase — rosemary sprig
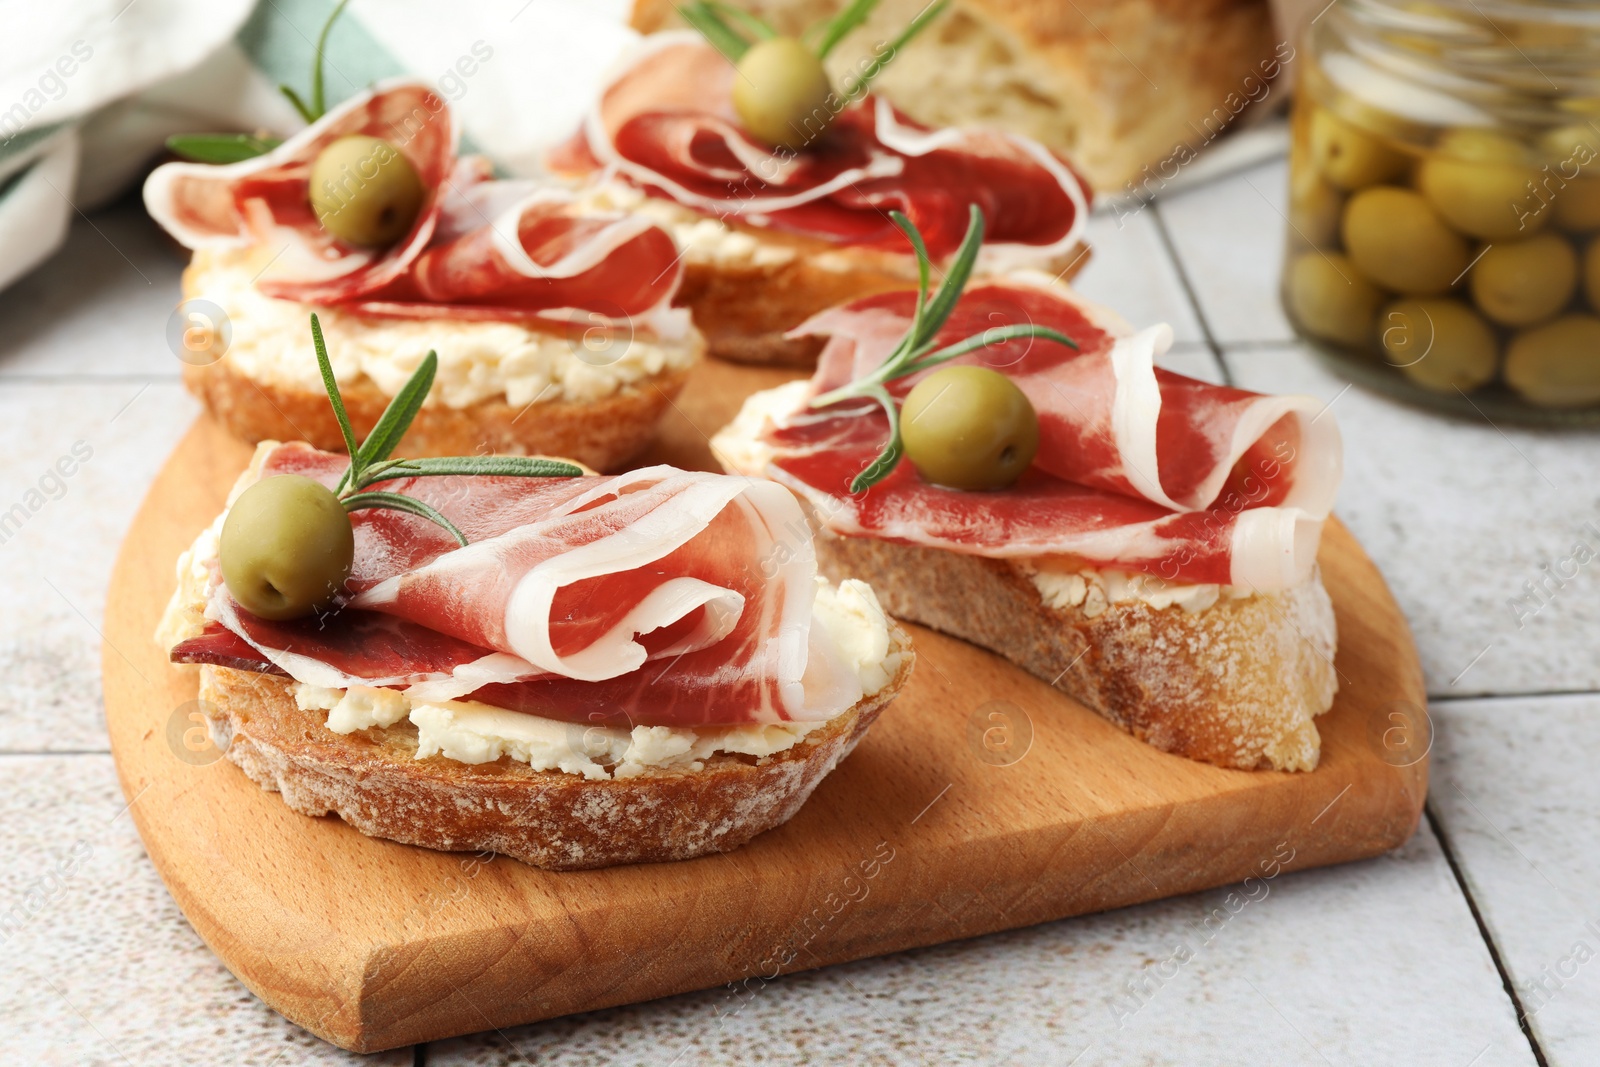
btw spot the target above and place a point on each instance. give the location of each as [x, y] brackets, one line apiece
[720, 23]
[370, 460]
[234, 147]
[917, 351]
[220, 147]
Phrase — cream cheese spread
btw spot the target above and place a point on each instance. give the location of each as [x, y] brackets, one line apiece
[270, 342]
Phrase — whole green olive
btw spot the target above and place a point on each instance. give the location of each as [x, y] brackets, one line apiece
[969, 428]
[782, 93]
[1557, 365]
[1440, 344]
[1478, 181]
[365, 192]
[1350, 157]
[1571, 151]
[1523, 282]
[1399, 241]
[287, 546]
[1314, 208]
[1591, 274]
[1328, 297]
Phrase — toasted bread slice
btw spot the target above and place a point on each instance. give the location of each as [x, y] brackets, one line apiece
[612, 419]
[745, 308]
[1237, 684]
[373, 781]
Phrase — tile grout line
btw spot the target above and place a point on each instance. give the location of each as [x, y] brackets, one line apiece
[1189, 293]
[1483, 931]
[1527, 694]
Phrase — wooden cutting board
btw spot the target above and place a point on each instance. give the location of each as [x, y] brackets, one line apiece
[982, 800]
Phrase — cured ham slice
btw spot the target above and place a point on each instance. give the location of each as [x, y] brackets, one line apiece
[1138, 467]
[656, 598]
[665, 122]
[479, 248]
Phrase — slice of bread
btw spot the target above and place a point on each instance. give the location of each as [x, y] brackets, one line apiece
[1237, 684]
[602, 434]
[745, 308]
[373, 781]
[610, 424]
[1118, 86]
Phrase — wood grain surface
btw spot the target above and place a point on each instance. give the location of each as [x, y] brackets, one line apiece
[946, 823]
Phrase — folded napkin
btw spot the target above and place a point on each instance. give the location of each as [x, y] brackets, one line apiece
[96, 86]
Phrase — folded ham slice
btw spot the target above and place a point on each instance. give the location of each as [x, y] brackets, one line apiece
[1137, 468]
[665, 122]
[655, 598]
[479, 248]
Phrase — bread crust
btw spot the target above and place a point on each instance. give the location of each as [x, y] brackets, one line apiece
[373, 781]
[1114, 84]
[1237, 684]
[745, 310]
[603, 434]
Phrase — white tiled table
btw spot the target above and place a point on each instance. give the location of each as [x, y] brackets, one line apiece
[1400, 960]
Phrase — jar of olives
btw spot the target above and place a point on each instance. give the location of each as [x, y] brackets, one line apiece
[1444, 202]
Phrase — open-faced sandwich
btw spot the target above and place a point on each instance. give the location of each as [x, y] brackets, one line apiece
[551, 320]
[513, 654]
[1011, 467]
[777, 184]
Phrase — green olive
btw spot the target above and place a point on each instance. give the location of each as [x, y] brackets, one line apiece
[969, 428]
[1350, 157]
[1478, 181]
[1398, 241]
[1577, 206]
[1523, 282]
[1557, 365]
[782, 93]
[365, 192]
[287, 546]
[1329, 298]
[1314, 208]
[1591, 274]
[1440, 344]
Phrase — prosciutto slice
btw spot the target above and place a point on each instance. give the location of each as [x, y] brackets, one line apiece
[665, 123]
[1138, 467]
[480, 248]
[655, 598]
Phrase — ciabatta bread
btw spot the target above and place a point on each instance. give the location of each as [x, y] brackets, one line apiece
[1113, 84]
[373, 781]
[612, 419]
[1237, 684]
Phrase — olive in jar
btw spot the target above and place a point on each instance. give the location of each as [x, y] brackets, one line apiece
[1523, 282]
[1439, 343]
[1348, 156]
[1477, 180]
[1398, 240]
[1329, 298]
[1557, 365]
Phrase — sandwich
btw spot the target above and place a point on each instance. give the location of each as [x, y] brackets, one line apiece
[775, 180]
[519, 655]
[1130, 91]
[1006, 463]
[552, 322]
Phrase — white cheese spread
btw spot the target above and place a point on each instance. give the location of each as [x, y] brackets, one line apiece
[270, 342]
[470, 732]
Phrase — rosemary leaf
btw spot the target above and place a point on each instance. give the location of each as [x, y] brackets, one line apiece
[882, 59]
[299, 104]
[749, 20]
[715, 29]
[409, 505]
[319, 103]
[504, 466]
[993, 336]
[397, 417]
[220, 147]
[325, 366]
[839, 26]
[889, 458]
[955, 280]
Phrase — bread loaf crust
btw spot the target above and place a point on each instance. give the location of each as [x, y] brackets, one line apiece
[1237, 684]
[373, 781]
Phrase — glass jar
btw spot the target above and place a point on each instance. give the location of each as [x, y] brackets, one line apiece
[1444, 203]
